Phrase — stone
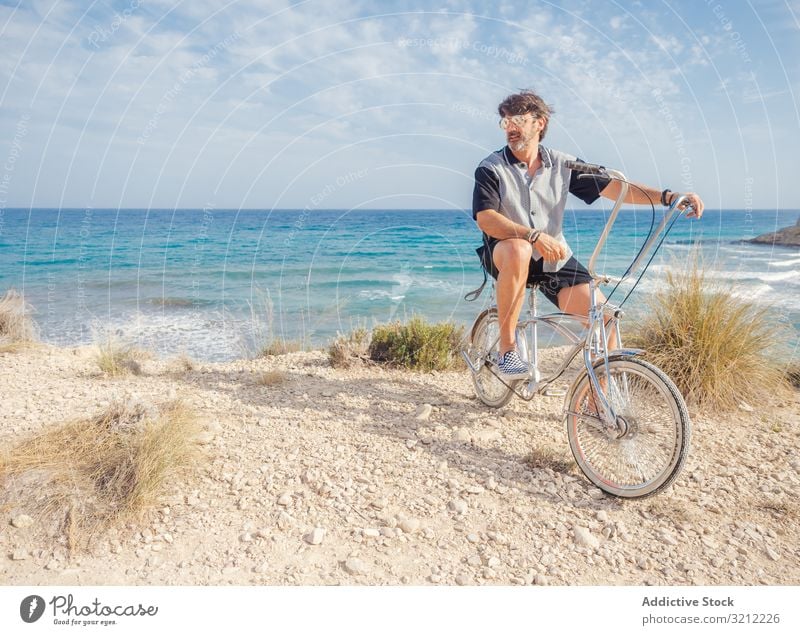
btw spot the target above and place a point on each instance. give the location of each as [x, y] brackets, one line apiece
[458, 505]
[487, 435]
[584, 538]
[285, 499]
[285, 521]
[354, 566]
[19, 554]
[371, 532]
[23, 521]
[409, 525]
[463, 580]
[423, 412]
[315, 536]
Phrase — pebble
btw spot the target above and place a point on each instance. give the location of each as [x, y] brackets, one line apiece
[602, 516]
[423, 412]
[285, 499]
[463, 580]
[474, 561]
[379, 503]
[473, 538]
[459, 506]
[585, 538]
[462, 435]
[371, 532]
[285, 521]
[315, 537]
[486, 436]
[541, 580]
[23, 521]
[668, 538]
[409, 526]
[772, 554]
[19, 554]
[354, 566]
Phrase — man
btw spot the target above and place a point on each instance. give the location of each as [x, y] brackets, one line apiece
[518, 202]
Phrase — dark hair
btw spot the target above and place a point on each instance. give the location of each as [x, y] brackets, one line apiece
[524, 102]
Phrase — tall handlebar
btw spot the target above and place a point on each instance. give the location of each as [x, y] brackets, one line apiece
[590, 169]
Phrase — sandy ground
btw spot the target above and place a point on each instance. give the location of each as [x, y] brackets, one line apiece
[466, 495]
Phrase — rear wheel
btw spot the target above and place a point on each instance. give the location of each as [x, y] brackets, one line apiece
[650, 452]
[484, 347]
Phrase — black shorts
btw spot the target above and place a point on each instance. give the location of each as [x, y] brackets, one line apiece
[550, 282]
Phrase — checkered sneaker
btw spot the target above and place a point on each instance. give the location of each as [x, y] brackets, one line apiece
[511, 366]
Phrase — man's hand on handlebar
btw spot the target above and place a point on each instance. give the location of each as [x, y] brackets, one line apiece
[551, 249]
[694, 202]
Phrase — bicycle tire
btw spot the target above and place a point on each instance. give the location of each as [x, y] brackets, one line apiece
[651, 455]
[484, 344]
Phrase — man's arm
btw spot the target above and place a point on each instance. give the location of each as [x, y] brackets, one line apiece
[494, 224]
[644, 195]
[498, 226]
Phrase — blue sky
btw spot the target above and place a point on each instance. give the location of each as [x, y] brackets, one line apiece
[149, 103]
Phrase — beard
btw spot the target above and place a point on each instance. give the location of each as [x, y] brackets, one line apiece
[519, 141]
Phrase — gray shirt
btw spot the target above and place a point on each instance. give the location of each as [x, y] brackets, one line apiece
[502, 183]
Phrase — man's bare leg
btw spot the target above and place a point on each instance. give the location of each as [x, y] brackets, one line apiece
[512, 258]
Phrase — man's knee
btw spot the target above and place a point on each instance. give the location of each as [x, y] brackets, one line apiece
[514, 254]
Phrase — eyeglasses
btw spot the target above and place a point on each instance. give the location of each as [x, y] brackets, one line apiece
[517, 120]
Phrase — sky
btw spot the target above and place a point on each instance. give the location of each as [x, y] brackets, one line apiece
[320, 105]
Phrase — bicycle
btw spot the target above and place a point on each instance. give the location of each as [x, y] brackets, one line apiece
[627, 423]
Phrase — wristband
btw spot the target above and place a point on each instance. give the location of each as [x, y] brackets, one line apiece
[664, 197]
[536, 233]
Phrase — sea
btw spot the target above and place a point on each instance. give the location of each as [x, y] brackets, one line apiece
[219, 284]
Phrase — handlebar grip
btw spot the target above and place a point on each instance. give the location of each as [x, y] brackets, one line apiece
[587, 168]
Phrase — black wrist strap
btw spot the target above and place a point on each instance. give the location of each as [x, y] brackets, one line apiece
[664, 197]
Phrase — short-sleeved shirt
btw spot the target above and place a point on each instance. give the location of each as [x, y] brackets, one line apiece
[502, 183]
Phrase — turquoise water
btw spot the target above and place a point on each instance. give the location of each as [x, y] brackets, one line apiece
[212, 283]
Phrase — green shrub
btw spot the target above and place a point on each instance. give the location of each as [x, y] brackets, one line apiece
[418, 345]
[718, 349]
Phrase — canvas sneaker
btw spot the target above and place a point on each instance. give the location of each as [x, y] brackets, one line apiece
[511, 366]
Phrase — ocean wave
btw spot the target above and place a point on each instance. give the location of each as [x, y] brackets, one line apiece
[178, 302]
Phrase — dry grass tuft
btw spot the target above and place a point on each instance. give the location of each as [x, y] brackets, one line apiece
[83, 477]
[718, 349]
[116, 357]
[17, 328]
[281, 347]
[271, 378]
[347, 349]
[184, 364]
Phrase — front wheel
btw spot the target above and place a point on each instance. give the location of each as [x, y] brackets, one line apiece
[650, 451]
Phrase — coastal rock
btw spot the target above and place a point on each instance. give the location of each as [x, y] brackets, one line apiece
[786, 237]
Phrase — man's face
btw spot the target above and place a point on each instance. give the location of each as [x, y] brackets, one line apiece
[521, 130]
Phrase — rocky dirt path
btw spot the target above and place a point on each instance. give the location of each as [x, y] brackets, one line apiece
[375, 476]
